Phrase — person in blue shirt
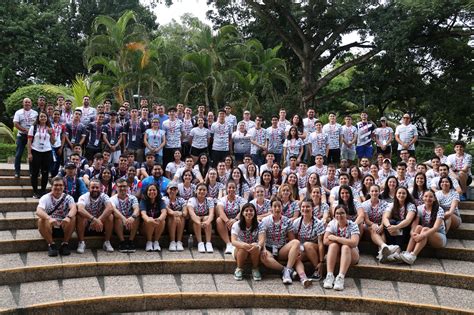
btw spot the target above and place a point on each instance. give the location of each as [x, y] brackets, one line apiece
[156, 178]
[73, 184]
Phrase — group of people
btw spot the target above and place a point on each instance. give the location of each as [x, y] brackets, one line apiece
[278, 196]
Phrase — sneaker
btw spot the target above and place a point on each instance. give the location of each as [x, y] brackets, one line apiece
[256, 275]
[36, 195]
[149, 246]
[201, 247]
[238, 274]
[395, 257]
[328, 282]
[179, 246]
[306, 282]
[286, 276]
[209, 248]
[52, 250]
[156, 246]
[383, 253]
[17, 175]
[107, 247]
[131, 246]
[172, 247]
[64, 249]
[339, 283]
[81, 247]
[315, 276]
[123, 248]
[408, 258]
[228, 249]
[394, 249]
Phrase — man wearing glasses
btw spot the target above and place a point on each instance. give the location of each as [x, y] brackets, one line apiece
[406, 135]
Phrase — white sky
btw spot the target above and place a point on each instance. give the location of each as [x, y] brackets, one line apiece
[165, 14]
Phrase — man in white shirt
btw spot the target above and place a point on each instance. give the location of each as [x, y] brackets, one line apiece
[460, 165]
[249, 124]
[309, 126]
[282, 121]
[349, 138]
[229, 118]
[364, 137]
[23, 119]
[88, 112]
[222, 139]
[333, 130]
[406, 135]
[259, 142]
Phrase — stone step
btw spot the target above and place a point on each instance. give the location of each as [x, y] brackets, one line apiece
[467, 216]
[12, 181]
[29, 240]
[132, 293]
[37, 266]
[466, 205]
[18, 204]
[465, 232]
[243, 311]
[18, 220]
[16, 191]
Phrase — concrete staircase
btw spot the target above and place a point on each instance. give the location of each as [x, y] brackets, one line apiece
[441, 281]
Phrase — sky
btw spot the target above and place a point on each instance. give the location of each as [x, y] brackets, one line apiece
[165, 14]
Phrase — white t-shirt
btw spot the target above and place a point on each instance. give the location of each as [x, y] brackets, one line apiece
[276, 232]
[318, 170]
[263, 208]
[248, 236]
[445, 201]
[221, 134]
[406, 134]
[293, 147]
[48, 203]
[173, 131]
[172, 167]
[231, 208]
[458, 163]
[275, 136]
[94, 207]
[350, 229]
[334, 132]
[249, 124]
[201, 209]
[180, 171]
[231, 120]
[41, 141]
[375, 214]
[26, 119]
[241, 142]
[125, 206]
[348, 134]
[200, 137]
[425, 217]
[309, 126]
[88, 114]
[259, 136]
[319, 142]
[383, 134]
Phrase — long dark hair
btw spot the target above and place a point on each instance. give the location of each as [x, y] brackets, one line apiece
[48, 122]
[111, 181]
[386, 190]
[434, 208]
[364, 189]
[449, 180]
[242, 225]
[203, 169]
[351, 209]
[397, 206]
[289, 133]
[241, 182]
[416, 192]
[300, 126]
[294, 189]
[147, 199]
[270, 187]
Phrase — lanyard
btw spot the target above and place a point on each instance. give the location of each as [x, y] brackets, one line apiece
[304, 236]
[97, 132]
[229, 210]
[274, 234]
[124, 205]
[342, 232]
[73, 185]
[42, 131]
[202, 208]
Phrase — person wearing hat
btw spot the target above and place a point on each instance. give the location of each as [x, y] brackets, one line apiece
[112, 135]
[383, 138]
[73, 184]
[386, 170]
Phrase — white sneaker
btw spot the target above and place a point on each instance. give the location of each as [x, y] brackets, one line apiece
[328, 282]
[408, 258]
[201, 247]
[394, 249]
[209, 248]
[384, 251]
[81, 247]
[156, 246]
[286, 277]
[306, 282]
[107, 247]
[172, 247]
[395, 257]
[149, 246]
[339, 283]
[179, 246]
[228, 248]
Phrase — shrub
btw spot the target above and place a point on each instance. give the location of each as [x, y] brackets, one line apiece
[51, 92]
[7, 150]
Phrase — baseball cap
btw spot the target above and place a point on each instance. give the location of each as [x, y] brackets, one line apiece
[70, 165]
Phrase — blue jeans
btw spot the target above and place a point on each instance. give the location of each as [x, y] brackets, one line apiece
[258, 159]
[21, 141]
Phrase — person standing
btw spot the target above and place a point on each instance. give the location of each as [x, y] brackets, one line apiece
[23, 120]
[333, 130]
[222, 138]
[40, 141]
[276, 137]
[364, 137]
[259, 141]
[173, 129]
[112, 136]
[94, 144]
[406, 135]
[383, 138]
[88, 112]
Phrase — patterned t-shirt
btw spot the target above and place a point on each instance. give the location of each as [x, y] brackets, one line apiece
[308, 232]
[200, 137]
[276, 232]
[446, 200]
[247, 236]
[231, 208]
[173, 130]
[348, 134]
[221, 133]
[262, 208]
[425, 217]
[176, 205]
[346, 232]
[290, 208]
[259, 136]
[334, 132]
[319, 142]
[320, 210]
[201, 209]
[94, 207]
[275, 136]
[125, 206]
[48, 203]
[403, 210]
[293, 147]
[375, 214]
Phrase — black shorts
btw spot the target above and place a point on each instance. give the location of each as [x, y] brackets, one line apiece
[58, 232]
[197, 152]
[270, 249]
[388, 150]
[334, 156]
[469, 180]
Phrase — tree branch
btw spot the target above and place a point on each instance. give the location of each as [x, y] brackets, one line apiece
[333, 94]
[329, 41]
[335, 72]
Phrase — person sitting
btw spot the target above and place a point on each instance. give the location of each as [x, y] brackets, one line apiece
[153, 211]
[248, 239]
[176, 217]
[57, 217]
[201, 212]
[95, 214]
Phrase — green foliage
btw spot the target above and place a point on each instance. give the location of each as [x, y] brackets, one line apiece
[6, 134]
[8, 150]
[83, 86]
[14, 101]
